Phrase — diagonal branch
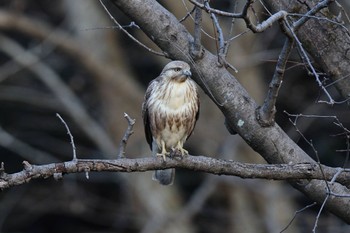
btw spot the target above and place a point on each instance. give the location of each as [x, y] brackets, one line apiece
[266, 113]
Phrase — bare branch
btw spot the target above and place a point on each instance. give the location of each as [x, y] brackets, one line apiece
[70, 135]
[129, 35]
[189, 13]
[296, 213]
[244, 15]
[196, 48]
[195, 163]
[129, 131]
[266, 113]
[313, 11]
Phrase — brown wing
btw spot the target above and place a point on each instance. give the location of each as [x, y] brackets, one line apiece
[197, 116]
[145, 114]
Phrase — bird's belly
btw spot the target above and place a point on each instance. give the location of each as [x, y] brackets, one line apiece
[171, 135]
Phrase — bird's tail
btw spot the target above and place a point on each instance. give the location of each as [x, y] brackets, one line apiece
[164, 177]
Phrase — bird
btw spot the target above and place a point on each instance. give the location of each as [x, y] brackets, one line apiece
[170, 111]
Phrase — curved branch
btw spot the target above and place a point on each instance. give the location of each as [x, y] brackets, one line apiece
[195, 163]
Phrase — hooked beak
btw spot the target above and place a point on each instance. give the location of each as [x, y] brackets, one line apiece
[183, 77]
[187, 73]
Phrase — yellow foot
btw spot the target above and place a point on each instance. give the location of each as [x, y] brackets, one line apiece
[162, 155]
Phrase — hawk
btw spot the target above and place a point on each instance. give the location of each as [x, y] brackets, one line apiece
[170, 111]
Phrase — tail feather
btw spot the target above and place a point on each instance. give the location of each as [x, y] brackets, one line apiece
[164, 177]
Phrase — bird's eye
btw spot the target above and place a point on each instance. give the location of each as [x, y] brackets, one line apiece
[177, 69]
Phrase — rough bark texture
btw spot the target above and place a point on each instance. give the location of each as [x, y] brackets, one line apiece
[238, 107]
[326, 42]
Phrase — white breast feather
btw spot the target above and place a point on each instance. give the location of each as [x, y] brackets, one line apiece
[174, 103]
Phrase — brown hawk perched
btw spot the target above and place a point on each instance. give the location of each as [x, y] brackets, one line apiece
[170, 111]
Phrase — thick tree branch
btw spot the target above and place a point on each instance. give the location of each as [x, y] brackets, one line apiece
[238, 107]
[195, 163]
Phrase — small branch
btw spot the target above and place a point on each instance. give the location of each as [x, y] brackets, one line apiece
[278, 16]
[295, 215]
[189, 13]
[215, 11]
[221, 42]
[196, 47]
[265, 114]
[281, 15]
[129, 35]
[70, 135]
[195, 163]
[312, 12]
[227, 42]
[220, 34]
[129, 131]
[291, 33]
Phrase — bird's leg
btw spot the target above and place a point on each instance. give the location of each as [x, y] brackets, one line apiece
[164, 152]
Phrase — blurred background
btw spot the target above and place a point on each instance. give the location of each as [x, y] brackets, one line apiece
[64, 57]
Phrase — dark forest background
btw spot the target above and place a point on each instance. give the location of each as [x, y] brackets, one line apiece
[62, 57]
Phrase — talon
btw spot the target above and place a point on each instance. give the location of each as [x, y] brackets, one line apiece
[162, 156]
[180, 148]
[164, 152]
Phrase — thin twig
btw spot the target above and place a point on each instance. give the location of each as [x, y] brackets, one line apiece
[129, 35]
[215, 11]
[70, 135]
[221, 42]
[296, 25]
[129, 131]
[338, 170]
[204, 32]
[306, 59]
[227, 42]
[189, 13]
[295, 215]
[281, 15]
[130, 25]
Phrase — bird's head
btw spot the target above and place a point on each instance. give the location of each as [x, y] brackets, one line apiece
[177, 71]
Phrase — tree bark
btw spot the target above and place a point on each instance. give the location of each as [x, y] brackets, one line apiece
[326, 42]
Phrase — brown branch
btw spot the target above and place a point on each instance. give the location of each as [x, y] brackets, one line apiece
[129, 131]
[266, 113]
[195, 163]
[196, 48]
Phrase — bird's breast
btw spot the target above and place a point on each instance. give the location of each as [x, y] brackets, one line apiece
[173, 112]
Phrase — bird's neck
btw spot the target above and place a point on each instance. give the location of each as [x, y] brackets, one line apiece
[176, 94]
